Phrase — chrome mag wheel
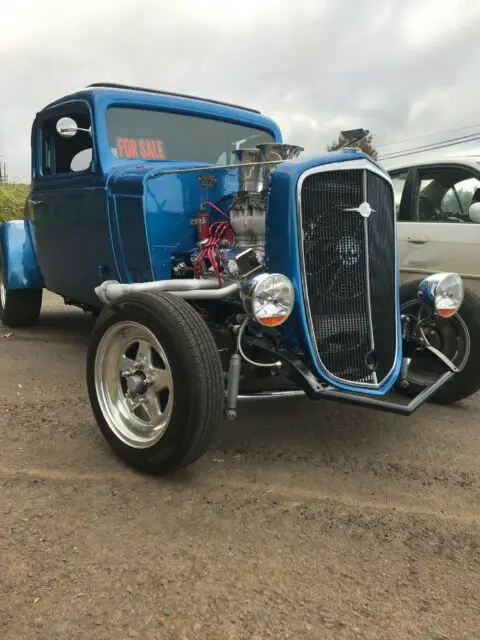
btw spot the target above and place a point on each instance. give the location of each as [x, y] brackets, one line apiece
[154, 380]
[134, 384]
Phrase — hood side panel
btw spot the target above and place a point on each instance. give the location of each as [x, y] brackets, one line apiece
[171, 203]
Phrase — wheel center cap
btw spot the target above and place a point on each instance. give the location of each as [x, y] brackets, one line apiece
[136, 383]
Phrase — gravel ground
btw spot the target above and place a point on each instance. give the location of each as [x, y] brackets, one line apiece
[303, 521]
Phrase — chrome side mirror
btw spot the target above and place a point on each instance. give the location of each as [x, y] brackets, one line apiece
[67, 128]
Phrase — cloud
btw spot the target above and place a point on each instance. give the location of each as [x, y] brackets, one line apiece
[398, 67]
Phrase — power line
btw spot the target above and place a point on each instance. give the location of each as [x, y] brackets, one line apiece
[428, 135]
[432, 147]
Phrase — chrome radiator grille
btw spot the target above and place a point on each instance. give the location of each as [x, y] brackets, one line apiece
[349, 272]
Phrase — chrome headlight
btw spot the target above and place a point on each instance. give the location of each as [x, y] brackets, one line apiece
[268, 298]
[444, 292]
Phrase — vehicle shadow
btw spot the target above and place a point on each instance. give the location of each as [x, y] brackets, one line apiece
[302, 429]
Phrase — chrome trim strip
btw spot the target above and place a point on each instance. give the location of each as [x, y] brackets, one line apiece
[269, 395]
[367, 273]
[465, 276]
[361, 163]
[215, 167]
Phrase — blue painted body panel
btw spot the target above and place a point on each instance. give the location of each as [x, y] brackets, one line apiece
[282, 256]
[72, 229]
[151, 215]
[18, 256]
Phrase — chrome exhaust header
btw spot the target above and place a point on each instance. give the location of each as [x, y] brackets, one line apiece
[110, 290]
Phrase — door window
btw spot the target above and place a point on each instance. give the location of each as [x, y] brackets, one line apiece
[65, 155]
[445, 195]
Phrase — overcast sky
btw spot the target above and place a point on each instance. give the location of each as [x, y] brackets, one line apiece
[401, 68]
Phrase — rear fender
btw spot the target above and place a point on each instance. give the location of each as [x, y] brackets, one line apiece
[18, 256]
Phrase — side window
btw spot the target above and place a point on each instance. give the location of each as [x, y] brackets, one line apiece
[445, 194]
[399, 180]
[62, 155]
[81, 161]
[451, 202]
[460, 196]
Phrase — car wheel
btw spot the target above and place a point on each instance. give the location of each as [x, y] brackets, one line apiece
[19, 307]
[458, 338]
[155, 381]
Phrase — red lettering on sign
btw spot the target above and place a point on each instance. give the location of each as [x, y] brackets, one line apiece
[140, 148]
[121, 147]
[151, 151]
[133, 149]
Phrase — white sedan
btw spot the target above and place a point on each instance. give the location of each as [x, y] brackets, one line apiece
[438, 214]
[438, 226]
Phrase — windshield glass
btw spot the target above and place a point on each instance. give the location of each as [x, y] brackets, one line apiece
[159, 135]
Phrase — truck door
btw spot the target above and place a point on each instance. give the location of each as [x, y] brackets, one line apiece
[69, 206]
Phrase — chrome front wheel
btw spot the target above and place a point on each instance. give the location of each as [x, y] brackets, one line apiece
[134, 384]
[155, 382]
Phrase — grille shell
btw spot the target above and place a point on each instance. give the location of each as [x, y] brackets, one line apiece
[349, 272]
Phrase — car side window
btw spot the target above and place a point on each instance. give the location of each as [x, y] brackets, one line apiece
[445, 194]
[65, 155]
[399, 180]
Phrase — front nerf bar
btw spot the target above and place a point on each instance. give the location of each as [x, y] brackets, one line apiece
[312, 388]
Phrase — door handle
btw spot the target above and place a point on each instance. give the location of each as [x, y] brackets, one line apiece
[417, 239]
[35, 203]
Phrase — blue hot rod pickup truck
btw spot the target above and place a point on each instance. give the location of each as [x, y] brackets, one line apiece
[223, 264]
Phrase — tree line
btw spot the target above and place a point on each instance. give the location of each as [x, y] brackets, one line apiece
[365, 145]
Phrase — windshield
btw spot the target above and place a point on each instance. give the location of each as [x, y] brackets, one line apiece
[158, 135]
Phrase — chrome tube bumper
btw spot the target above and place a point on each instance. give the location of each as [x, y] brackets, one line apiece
[330, 393]
[313, 388]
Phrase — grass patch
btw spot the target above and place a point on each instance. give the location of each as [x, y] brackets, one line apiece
[12, 201]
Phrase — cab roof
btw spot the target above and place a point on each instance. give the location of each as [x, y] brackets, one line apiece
[100, 93]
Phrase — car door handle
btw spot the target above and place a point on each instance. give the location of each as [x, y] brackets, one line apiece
[35, 203]
[417, 239]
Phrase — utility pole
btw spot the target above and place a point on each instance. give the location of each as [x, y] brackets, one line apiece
[3, 164]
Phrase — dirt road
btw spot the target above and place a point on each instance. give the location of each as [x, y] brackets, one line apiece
[304, 521]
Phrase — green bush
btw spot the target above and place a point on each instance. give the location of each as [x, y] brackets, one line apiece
[12, 201]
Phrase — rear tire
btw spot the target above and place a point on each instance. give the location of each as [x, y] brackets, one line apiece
[453, 336]
[19, 307]
[169, 350]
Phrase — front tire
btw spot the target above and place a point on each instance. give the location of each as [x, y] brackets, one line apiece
[458, 338]
[155, 381]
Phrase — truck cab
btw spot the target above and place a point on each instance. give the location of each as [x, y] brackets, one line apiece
[84, 144]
